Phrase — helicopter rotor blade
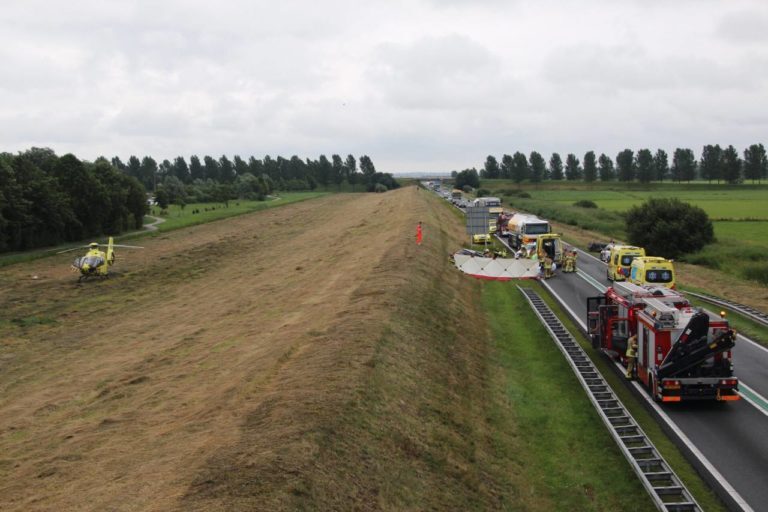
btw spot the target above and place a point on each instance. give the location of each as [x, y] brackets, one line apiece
[127, 246]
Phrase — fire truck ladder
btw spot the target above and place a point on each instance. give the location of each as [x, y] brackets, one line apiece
[663, 485]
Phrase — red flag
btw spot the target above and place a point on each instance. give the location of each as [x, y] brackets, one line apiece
[418, 234]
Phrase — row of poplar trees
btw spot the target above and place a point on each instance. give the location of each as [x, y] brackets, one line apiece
[286, 174]
[716, 164]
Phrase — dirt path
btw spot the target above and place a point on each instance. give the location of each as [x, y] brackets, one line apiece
[153, 225]
[124, 394]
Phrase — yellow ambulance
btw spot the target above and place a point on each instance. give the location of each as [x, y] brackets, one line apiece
[620, 260]
[652, 270]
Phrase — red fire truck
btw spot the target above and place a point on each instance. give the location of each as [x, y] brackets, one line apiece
[683, 352]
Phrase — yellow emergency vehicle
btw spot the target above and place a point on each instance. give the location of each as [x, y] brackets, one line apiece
[652, 270]
[550, 245]
[620, 261]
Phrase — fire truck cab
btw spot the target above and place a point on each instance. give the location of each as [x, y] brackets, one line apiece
[683, 352]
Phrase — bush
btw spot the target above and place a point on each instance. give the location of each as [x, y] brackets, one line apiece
[161, 198]
[585, 203]
[668, 227]
[295, 184]
[468, 177]
[524, 195]
[467, 189]
[483, 192]
[380, 188]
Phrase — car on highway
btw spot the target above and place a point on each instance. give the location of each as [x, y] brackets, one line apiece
[481, 238]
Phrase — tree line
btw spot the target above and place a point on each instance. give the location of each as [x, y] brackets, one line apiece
[716, 164]
[47, 200]
[253, 176]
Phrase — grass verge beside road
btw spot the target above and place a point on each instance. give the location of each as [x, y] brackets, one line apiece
[571, 461]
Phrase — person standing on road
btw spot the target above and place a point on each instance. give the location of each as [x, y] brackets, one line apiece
[631, 355]
[547, 267]
[567, 262]
[418, 233]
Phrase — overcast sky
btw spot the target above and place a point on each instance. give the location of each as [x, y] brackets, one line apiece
[416, 85]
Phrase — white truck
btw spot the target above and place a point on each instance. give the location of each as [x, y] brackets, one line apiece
[522, 229]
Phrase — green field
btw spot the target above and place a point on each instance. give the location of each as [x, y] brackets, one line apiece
[177, 217]
[744, 203]
[739, 214]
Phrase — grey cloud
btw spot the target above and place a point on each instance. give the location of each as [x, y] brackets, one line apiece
[449, 72]
[744, 27]
[610, 69]
[432, 84]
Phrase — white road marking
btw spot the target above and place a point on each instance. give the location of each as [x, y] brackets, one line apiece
[750, 399]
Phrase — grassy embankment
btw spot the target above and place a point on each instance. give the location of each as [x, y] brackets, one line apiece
[449, 420]
[177, 218]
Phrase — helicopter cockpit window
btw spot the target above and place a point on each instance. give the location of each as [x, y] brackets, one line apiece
[94, 261]
[91, 261]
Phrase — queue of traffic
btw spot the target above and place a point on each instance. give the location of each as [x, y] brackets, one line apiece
[530, 236]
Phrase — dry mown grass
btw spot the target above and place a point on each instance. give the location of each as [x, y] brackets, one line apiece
[308, 357]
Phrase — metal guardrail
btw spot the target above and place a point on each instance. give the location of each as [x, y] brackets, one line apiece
[662, 484]
[742, 309]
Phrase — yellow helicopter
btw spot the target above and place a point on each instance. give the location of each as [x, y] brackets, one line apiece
[96, 262]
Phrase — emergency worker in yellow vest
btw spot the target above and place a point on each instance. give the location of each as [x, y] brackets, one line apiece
[574, 257]
[631, 354]
[568, 262]
[547, 267]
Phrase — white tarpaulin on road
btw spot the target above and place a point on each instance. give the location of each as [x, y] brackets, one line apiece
[500, 268]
